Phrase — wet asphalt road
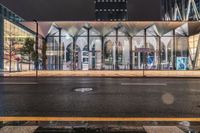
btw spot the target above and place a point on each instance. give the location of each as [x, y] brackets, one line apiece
[110, 97]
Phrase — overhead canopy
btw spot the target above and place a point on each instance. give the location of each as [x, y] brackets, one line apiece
[194, 27]
[73, 28]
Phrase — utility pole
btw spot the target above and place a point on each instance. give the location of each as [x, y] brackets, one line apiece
[36, 47]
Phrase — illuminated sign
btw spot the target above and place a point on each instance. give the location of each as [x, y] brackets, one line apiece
[181, 63]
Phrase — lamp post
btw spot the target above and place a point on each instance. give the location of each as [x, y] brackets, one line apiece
[36, 47]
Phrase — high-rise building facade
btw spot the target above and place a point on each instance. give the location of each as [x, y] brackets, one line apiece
[180, 10]
[111, 10]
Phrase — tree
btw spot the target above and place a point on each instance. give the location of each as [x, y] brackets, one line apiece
[28, 50]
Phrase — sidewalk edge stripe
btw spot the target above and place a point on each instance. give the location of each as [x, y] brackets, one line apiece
[95, 119]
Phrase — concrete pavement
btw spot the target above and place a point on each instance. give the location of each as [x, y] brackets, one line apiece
[107, 73]
[145, 129]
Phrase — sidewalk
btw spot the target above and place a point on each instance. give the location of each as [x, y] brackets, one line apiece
[131, 74]
[145, 129]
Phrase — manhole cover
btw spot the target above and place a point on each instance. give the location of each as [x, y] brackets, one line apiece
[83, 90]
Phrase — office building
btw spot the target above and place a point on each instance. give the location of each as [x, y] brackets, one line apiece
[180, 10]
[111, 10]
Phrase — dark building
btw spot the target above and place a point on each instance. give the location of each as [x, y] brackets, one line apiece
[180, 10]
[111, 10]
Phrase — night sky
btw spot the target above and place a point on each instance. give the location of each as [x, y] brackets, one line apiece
[52, 10]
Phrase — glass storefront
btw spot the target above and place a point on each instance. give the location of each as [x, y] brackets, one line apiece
[14, 39]
[105, 46]
[118, 50]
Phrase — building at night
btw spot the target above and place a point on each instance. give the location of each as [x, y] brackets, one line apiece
[111, 10]
[99, 45]
[180, 10]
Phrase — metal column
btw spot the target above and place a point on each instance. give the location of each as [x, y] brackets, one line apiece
[74, 53]
[174, 50]
[160, 53]
[102, 52]
[131, 53]
[145, 53]
[36, 47]
[10, 54]
[88, 48]
[59, 49]
[116, 51]
[1, 43]
[88, 39]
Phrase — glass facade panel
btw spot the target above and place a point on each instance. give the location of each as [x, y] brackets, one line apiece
[124, 53]
[138, 54]
[152, 57]
[109, 53]
[14, 39]
[95, 53]
[194, 51]
[182, 53]
[193, 44]
[166, 53]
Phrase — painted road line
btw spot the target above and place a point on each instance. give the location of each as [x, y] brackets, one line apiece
[18, 83]
[125, 119]
[144, 84]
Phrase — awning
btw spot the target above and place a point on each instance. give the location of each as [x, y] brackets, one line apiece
[103, 28]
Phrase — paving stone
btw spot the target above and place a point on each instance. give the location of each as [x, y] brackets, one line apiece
[162, 129]
[18, 129]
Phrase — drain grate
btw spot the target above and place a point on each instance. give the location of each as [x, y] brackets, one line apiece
[82, 90]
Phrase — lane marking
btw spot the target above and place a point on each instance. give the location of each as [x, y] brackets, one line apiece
[144, 84]
[97, 119]
[18, 83]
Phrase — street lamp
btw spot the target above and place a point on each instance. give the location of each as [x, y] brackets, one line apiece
[36, 46]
